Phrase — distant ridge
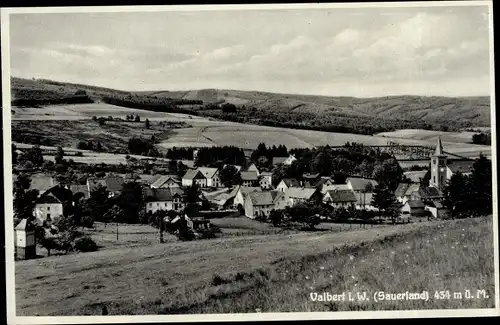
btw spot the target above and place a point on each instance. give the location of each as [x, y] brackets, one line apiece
[430, 109]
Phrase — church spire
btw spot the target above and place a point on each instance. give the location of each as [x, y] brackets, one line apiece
[439, 148]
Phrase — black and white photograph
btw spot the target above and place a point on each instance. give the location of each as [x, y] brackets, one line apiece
[249, 162]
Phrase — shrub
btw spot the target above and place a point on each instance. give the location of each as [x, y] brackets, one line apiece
[85, 244]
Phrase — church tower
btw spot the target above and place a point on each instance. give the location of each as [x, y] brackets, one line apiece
[438, 167]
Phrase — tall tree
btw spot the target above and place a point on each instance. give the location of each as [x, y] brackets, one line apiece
[59, 157]
[24, 198]
[385, 200]
[389, 173]
[230, 176]
[147, 124]
[457, 196]
[481, 186]
[34, 154]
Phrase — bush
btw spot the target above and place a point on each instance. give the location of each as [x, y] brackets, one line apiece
[85, 244]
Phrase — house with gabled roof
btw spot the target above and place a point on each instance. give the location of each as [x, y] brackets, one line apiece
[404, 191]
[242, 192]
[266, 180]
[261, 203]
[253, 168]
[194, 176]
[163, 199]
[340, 198]
[287, 183]
[360, 184]
[414, 208]
[112, 183]
[166, 181]
[49, 205]
[212, 176]
[296, 195]
[249, 178]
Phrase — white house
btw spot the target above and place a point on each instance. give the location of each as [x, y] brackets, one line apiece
[166, 181]
[404, 191]
[249, 178]
[241, 192]
[289, 160]
[49, 206]
[296, 195]
[340, 198]
[163, 199]
[359, 184]
[265, 180]
[364, 201]
[194, 177]
[287, 183]
[261, 203]
[212, 176]
[253, 168]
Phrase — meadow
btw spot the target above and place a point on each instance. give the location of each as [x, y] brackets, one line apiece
[202, 131]
[264, 273]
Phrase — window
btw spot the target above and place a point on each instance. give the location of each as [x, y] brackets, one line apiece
[157, 204]
[48, 217]
[48, 208]
[434, 179]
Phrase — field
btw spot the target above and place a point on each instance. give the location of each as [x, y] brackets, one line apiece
[209, 132]
[264, 273]
[419, 134]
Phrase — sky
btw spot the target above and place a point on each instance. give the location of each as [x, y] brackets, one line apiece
[362, 52]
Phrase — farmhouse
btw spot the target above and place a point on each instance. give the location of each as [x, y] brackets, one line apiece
[112, 183]
[340, 198]
[404, 191]
[296, 195]
[287, 183]
[194, 177]
[335, 187]
[167, 181]
[163, 199]
[265, 180]
[49, 205]
[309, 179]
[241, 193]
[288, 161]
[322, 182]
[211, 175]
[261, 203]
[221, 199]
[427, 194]
[414, 207]
[253, 168]
[359, 184]
[364, 201]
[436, 209]
[249, 178]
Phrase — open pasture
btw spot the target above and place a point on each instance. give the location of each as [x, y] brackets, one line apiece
[274, 272]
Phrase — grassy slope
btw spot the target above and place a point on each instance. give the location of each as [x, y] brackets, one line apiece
[475, 109]
[276, 272]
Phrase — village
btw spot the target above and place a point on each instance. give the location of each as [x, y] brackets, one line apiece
[184, 204]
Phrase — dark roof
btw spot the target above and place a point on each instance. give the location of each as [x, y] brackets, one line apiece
[415, 176]
[310, 176]
[279, 160]
[322, 181]
[114, 183]
[42, 182]
[291, 182]
[25, 225]
[161, 194]
[436, 204]
[415, 204]
[76, 188]
[428, 192]
[265, 198]
[249, 176]
[193, 174]
[462, 166]
[301, 193]
[404, 189]
[342, 196]
[359, 184]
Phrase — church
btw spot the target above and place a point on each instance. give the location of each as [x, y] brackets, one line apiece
[421, 200]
